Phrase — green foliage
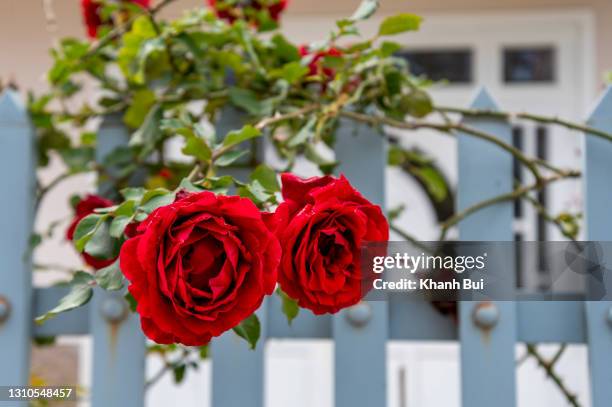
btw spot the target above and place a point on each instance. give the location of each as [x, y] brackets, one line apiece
[289, 306]
[399, 23]
[80, 293]
[249, 330]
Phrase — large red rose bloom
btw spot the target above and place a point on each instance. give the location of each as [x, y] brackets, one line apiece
[92, 18]
[199, 267]
[86, 207]
[321, 225]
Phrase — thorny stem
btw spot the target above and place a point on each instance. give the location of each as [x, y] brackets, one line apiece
[447, 128]
[510, 196]
[527, 116]
[548, 367]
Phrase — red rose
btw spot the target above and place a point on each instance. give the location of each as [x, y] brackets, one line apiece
[316, 63]
[199, 267]
[321, 225]
[92, 18]
[233, 12]
[86, 207]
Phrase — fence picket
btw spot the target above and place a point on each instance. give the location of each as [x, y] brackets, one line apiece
[118, 342]
[360, 333]
[598, 162]
[487, 356]
[235, 366]
[17, 165]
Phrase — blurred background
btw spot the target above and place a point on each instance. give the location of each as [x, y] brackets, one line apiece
[542, 56]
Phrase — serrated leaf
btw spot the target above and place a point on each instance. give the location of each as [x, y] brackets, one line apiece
[230, 157]
[399, 23]
[101, 244]
[85, 229]
[236, 137]
[266, 176]
[294, 71]
[304, 134]
[80, 293]
[110, 277]
[118, 225]
[197, 147]
[246, 99]
[249, 330]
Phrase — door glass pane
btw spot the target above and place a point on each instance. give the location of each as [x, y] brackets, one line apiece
[529, 64]
[453, 65]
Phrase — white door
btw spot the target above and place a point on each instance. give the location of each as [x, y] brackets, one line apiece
[536, 62]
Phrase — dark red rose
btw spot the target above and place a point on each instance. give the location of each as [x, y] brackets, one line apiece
[92, 17]
[199, 267]
[321, 225]
[234, 12]
[86, 207]
[316, 63]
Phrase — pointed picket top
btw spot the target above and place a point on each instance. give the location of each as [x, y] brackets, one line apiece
[484, 100]
[11, 108]
[601, 115]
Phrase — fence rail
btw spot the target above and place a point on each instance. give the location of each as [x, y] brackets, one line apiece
[360, 333]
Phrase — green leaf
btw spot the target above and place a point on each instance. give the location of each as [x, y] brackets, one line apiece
[236, 137]
[266, 177]
[131, 301]
[101, 244]
[255, 192]
[284, 49]
[149, 133]
[289, 306]
[204, 351]
[294, 71]
[118, 225]
[179, 372]
[230, 157]
[433, 181]
[249, 329]
[396, 212]
[110, 277]
[85, 229]
[78, 159]
[246, 99]
[197, 147]
[417, 104]
[389, 48]
[140, 104]
[304, 134]
[80, 293]
[399, 23]
[365, 10]
[395, 156]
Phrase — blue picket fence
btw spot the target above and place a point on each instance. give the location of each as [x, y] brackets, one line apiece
[360, 334]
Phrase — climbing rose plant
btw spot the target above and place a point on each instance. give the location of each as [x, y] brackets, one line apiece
[196, 249]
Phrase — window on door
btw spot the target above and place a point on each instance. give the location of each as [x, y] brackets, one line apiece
[453, 65]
